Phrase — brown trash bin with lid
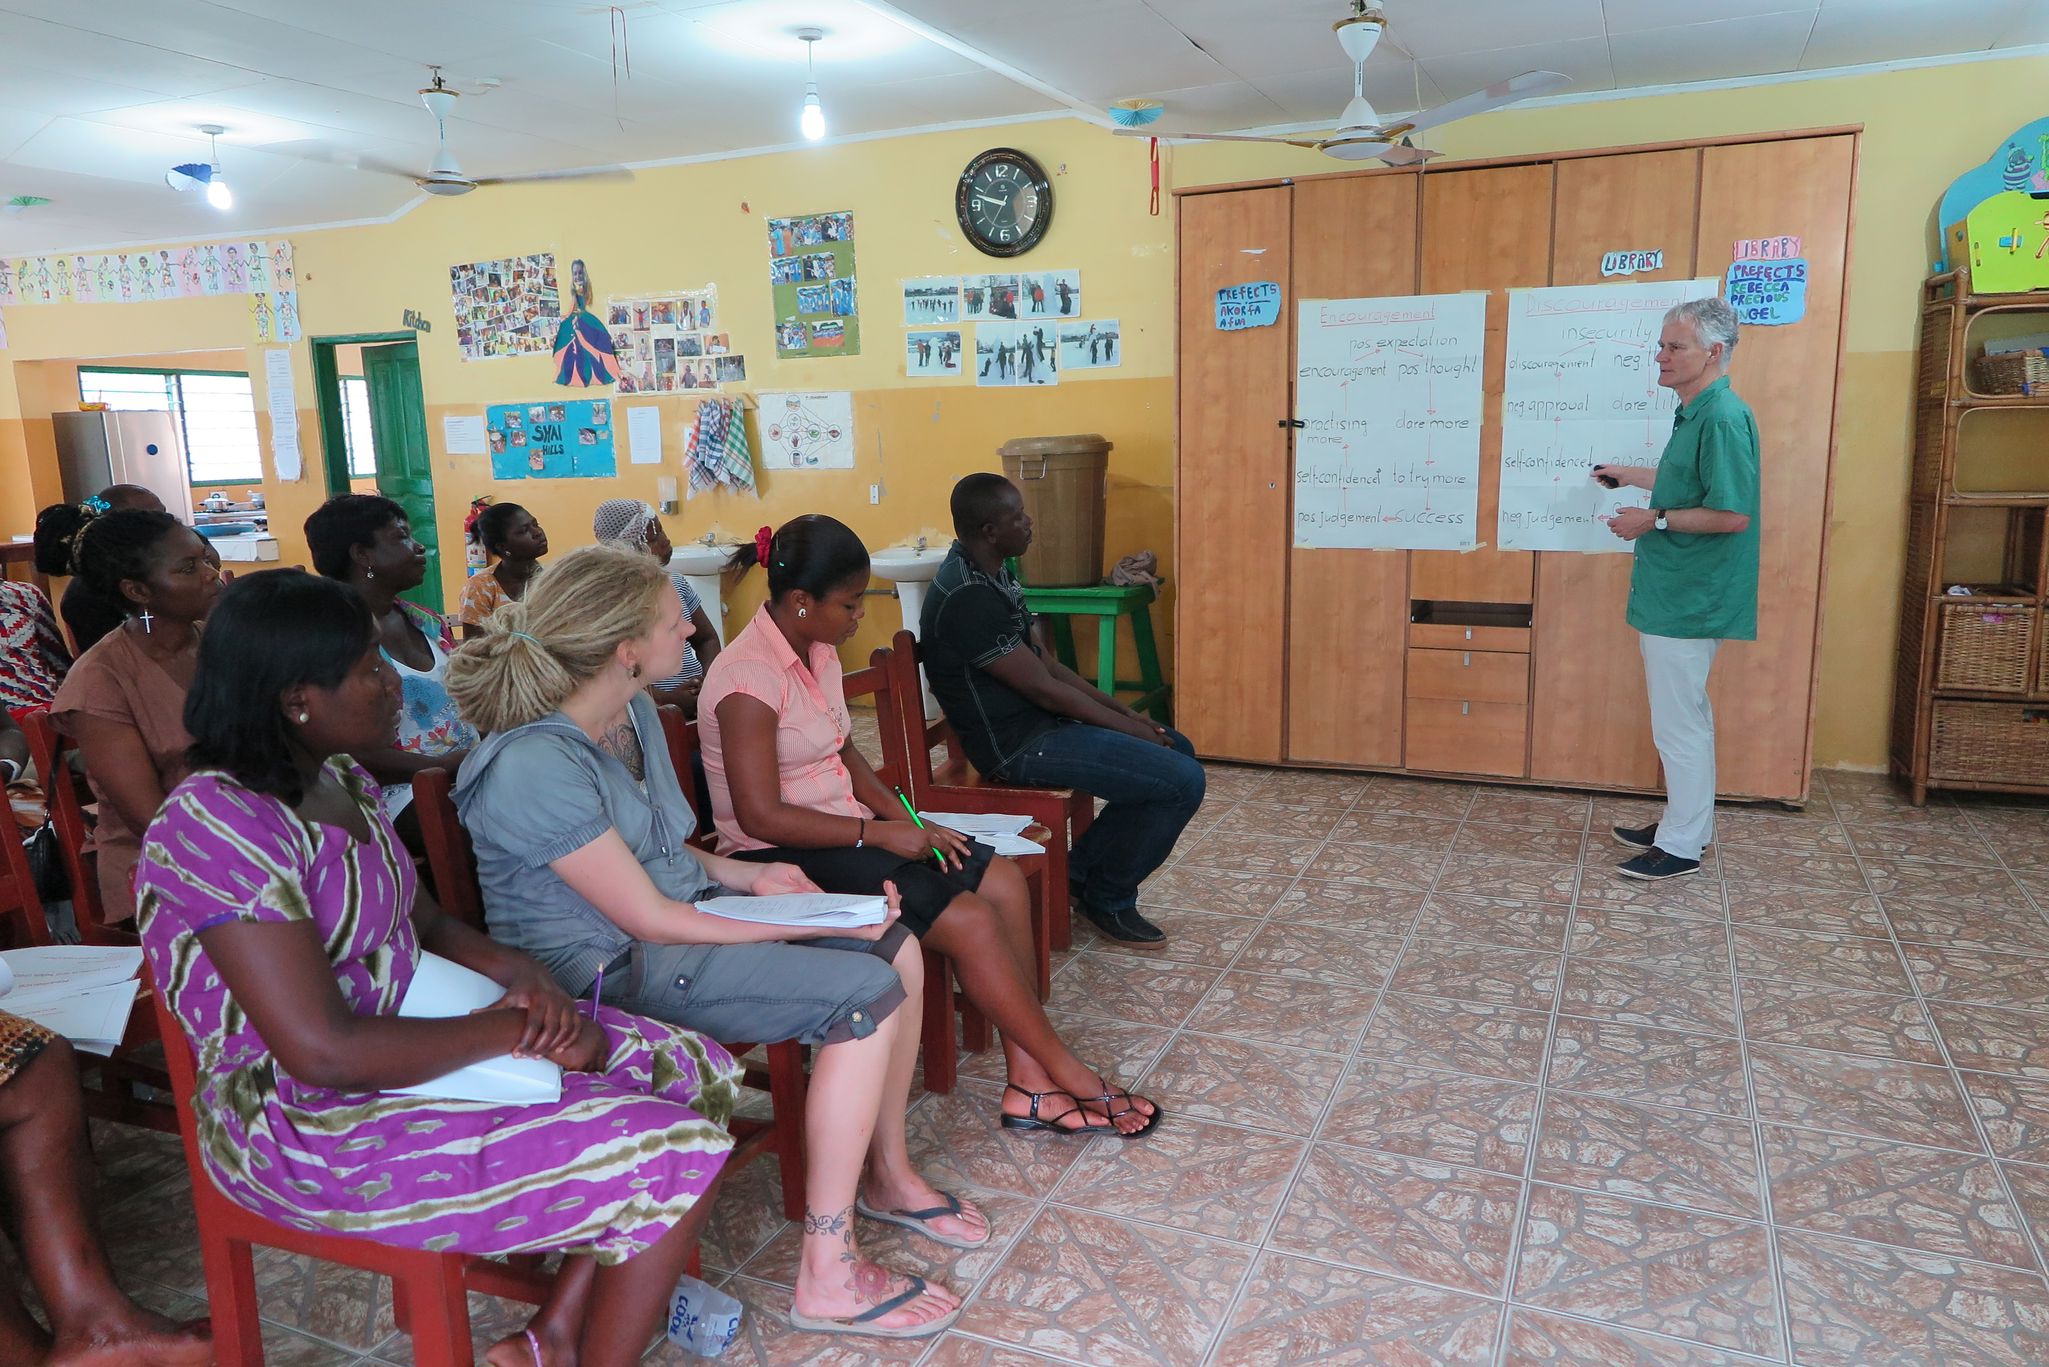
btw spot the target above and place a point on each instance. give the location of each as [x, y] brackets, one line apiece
[1062, 482]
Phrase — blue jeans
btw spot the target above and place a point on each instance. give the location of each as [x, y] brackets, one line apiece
[1152, 792]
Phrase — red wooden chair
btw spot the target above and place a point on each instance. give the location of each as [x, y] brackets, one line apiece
[453, 868]
[68, 796]
[1064, 813]
[20, 906]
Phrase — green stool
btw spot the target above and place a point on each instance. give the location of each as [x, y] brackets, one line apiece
[1106, 603]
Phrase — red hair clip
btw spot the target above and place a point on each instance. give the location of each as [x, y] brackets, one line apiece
[763, 539]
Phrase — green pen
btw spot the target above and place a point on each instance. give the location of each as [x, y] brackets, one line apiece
[936, 854]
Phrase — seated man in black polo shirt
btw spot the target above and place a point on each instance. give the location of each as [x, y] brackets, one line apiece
[1025, 718]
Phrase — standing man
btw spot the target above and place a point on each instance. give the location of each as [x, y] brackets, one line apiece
[1025, 718]
[1694, 584]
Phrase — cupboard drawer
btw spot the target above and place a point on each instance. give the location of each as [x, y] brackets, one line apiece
[1449, 736]
[1446, 636]
[1469, 676]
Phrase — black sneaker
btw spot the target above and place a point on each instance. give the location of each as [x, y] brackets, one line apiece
[1654, 866]
[1125, 927]
[1637, 837]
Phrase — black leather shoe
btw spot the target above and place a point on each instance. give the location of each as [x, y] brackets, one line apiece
[1656, 866]
[1125, 927]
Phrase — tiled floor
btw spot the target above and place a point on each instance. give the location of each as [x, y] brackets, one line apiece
[1443, 1090]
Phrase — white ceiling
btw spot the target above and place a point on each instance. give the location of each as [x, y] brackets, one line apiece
[99, 97]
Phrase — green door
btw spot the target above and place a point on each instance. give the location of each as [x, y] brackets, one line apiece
[405, 474]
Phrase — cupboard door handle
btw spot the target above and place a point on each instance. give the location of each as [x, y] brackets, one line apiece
[1468, 661]
[1291, 422]
[1465, 709]
[1469, 633]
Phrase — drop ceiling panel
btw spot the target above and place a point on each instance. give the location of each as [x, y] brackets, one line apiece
[1847, 34]
[249, 42]
[1431, 28]
[1585, 60]
[1712, 51]
[1634, 16]
[39, 45]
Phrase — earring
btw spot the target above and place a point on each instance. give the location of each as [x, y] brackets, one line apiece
[633, 671]
[146, 618]
[303, 718]
[803, 612]
[369, 574]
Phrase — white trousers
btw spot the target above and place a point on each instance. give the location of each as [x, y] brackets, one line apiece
[1683, 727]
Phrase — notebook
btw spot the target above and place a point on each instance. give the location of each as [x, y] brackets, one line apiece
[1001, 832]
[83, 992]
[442, 988]
[810, 909]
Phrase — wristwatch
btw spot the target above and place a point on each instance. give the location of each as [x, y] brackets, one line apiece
[1658, 519]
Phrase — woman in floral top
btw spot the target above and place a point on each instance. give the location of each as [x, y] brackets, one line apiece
[508, 533]
[365, 541]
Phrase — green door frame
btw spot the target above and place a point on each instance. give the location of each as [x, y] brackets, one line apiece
[334, 445]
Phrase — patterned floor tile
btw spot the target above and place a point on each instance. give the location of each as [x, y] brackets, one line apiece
[1993, 1040]
[1313, 786]
[1236, 894]
[1295, 1311]
[2030, 1186]
[1494, 921]
[1697, 1277]
[1876, 1097]
[955, 1140]
[1638, 1063]
[1314, 953]
[1402, 1216]
[1601, 886]
[1794, 869]
[769, 1341]
[1444, 1117]
[1980, 978]
[1093, 1289]
[1371, 866]
[127, 1160]
[1605, 989]
[1127, 987]
[1673, 944]
[1650, 1153]
[1521, 807]
[1301, 1015]
[344, 1306]
[1959, 927]
[1784, 833]
[2014, 1112]
[1539, 1340]
[1417, 797]
[1520, 880]
[905, 1250]
[1953, 845]
[1957, 884]
[1233, 782]
[1859, 1305]
[1374, 827]
[1428, 1032]
[1810, 909]
[1822, 960]
[1348, 906]
[155, 1240]
[1208, 1179]
[1546, 844]
[1931, 1200]
[1241, 1082]
[957, 1350]
[1206, 938]
[746, 1213]
[1477, 973]
[1118, 1049]
[1265, 854]
[1830, 1018]
[1292, 821]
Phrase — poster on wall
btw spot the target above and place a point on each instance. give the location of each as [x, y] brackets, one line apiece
[140, 277]
[932, 355]
[1388, 407]
[1017, 355]
[811, 274]
[557, 439]
[671, 343]
[1581, 390]
[807, 430]
[507, 307]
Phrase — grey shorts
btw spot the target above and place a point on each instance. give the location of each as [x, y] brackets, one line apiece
[818, 991]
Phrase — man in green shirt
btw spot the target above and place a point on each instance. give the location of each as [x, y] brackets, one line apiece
[1695, 580]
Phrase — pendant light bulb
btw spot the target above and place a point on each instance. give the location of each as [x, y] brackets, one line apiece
[812, 120]
[217, 193]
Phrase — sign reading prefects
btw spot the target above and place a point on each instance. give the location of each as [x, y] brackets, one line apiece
[1768, 293]
[1255, 305]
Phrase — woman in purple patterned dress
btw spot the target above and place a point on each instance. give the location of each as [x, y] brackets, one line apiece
[283, 923]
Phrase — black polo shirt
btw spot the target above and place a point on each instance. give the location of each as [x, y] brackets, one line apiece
[971, 620]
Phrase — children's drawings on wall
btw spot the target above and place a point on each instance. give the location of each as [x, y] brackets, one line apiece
[507, 307]
[1581, 390]
[931, 299]
[1256, 304]
[1389, 406]
[559, 439]
[932, 355]
[1015, 355]
[811, 430]
[1768, 292]
[1091, 344]
[811, 274]
[671, 343]
[140, 277]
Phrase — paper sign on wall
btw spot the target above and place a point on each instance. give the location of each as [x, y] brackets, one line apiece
[463, 435]
[283, 400]
[1769, 292]
[1629, 263]
[807, 431]
[1581, 390]
[1389, 407]
[1254, 305]
[1765, 248]
[644, 435]
[563, 439]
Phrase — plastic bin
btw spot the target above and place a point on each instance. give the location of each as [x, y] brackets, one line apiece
[1062, 482]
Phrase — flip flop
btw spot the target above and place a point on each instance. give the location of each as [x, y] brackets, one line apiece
[863, 1323]
[920, 1221]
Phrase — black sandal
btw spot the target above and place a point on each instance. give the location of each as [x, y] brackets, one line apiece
[1033, 1121]
[1152, 1121]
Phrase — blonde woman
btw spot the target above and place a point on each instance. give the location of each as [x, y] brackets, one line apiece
[580, 828]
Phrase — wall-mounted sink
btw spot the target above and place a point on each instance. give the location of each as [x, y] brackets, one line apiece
[702, 565]
[911, 568]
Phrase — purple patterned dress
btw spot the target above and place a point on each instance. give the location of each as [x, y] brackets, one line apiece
[607, 1170]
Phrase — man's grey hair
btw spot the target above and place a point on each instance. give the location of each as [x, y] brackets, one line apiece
[1713, 321]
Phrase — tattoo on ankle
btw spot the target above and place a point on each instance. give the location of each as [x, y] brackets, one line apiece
[839, 1222]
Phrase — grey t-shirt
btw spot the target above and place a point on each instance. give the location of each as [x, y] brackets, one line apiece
[531, 795]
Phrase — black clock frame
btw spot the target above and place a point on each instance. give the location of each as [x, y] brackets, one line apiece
[1036, 177]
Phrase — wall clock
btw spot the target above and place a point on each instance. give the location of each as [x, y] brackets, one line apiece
[1004, 202]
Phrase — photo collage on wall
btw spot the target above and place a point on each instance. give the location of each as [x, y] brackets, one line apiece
[811, 271]
[1028, 328]
[671, 343]
[508, 307]
[558, 439]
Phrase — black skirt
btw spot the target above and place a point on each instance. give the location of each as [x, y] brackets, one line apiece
[924, 887]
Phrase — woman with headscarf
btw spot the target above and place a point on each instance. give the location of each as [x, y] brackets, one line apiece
[630, 522]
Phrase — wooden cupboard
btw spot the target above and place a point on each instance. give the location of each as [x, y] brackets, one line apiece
[1493, 663]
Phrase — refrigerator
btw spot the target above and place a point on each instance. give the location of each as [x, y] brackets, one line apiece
[95, 450]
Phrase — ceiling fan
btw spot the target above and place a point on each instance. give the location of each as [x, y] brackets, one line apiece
[444, 175]
[1360, 135]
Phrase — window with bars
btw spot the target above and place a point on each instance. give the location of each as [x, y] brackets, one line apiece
[357, 434]
[216, 414]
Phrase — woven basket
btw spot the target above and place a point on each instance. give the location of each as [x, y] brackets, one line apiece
[2018, 372]
[1985, 647]
[1989, 742]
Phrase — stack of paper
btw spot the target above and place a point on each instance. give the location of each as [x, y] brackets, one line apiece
[1001, 832]
[811, 909]
[83, 992]
[440, 988]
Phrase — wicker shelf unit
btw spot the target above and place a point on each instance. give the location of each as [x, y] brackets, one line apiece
[1971, 692]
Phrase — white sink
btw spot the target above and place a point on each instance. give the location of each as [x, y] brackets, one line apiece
[701, 565]
[911, 569]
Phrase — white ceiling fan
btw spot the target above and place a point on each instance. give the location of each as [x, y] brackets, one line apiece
[1360, 135]
[444, 175]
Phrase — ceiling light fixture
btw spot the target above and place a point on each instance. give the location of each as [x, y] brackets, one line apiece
[812, 120]
[193, 175]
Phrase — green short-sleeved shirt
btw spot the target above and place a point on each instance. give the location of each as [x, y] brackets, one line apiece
[1692, 584]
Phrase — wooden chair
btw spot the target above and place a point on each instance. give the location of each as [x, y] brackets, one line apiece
[452, 864]
[68, 796]
[21, 906]
[1064, 812]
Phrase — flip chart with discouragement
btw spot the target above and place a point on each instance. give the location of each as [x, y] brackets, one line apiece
[1388, 398]
[1581, 390]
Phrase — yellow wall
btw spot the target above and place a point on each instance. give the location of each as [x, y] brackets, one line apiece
[684, 226]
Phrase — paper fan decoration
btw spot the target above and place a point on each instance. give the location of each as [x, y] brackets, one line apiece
[583, 344]
[1135, 113]
[20, 202]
